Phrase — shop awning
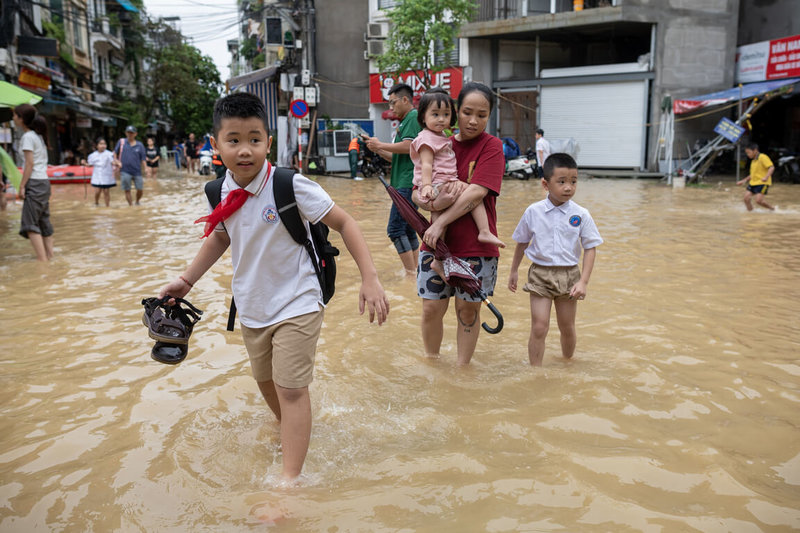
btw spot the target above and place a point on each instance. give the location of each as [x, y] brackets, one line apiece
[128, 6]
[12, 96]
[251, 77]
[749, 90]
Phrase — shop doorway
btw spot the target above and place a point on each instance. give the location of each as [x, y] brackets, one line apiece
[518, 117]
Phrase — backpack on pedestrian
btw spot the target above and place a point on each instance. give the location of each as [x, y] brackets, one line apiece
[320, 250]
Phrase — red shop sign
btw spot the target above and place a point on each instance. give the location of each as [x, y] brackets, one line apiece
[451, 79]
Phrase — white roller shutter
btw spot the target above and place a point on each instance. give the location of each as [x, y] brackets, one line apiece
[606, 119]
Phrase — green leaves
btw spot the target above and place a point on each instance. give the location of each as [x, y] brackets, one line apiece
[417, 28]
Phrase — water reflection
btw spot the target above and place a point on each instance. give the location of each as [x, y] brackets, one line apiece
[679, 411]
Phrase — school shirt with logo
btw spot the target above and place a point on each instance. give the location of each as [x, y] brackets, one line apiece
[273, 277]
[402, 166]
[32, 141]
[758, 169]
[556, 234]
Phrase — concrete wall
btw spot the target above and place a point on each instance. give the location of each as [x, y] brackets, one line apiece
[695, 54]
[341, 67]
[764, 20]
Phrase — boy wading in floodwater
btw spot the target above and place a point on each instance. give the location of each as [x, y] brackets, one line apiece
[274, 283]
[551, 233]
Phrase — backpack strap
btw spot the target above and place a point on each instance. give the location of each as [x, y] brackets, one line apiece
[286, 203]
[213, 190]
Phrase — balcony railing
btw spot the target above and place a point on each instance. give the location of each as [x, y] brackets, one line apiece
[102, 25]
[510, 9]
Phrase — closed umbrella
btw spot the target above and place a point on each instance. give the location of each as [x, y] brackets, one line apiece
[458, 272]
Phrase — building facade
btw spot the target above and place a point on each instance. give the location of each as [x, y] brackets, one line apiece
[599, 75]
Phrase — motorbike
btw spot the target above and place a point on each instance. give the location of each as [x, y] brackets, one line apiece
[206, 166]
[373, 165]
[787, 166]
[520, 168]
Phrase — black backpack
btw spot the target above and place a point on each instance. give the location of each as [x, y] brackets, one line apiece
[320, 250]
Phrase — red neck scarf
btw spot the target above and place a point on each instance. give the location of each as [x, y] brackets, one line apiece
[233, 201]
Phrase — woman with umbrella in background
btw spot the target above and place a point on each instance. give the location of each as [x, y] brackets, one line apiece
[481, 165]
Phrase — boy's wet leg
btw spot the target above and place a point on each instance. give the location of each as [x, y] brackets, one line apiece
[747, 203]
[566, 310]
[295, 406]
[763, 203]
[540, 325]
[270, 395]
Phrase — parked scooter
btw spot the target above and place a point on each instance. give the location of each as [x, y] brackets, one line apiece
[373, 165]
[206, 159]
[521, 168]
[517, 166]
[787, 166]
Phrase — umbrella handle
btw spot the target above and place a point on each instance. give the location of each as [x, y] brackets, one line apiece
[497, 314]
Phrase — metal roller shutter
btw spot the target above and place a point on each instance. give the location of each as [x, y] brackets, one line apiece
[606, 119]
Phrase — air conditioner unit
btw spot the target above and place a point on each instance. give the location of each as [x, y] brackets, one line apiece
[375, 48]
[377, 30]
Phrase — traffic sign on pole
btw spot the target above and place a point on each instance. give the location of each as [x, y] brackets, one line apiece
[298, 108]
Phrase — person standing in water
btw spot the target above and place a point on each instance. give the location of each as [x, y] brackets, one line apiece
[34, 189]
[274, 283]
[480, 167]
[760, 177]
[103, 172]
[551, 233]
[401, 101]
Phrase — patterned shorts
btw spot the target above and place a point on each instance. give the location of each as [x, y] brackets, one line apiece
[431, 286]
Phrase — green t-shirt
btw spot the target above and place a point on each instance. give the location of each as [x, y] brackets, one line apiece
[402, 166]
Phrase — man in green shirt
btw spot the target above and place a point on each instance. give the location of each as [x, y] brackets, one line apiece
[402, 235]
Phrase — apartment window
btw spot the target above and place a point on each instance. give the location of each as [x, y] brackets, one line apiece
[386, 4]
[78, 39]
[440, 59]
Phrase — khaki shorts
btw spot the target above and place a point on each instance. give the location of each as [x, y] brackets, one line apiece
[284, 352]
[552, 282]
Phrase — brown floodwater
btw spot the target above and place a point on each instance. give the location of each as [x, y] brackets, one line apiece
[678, 413]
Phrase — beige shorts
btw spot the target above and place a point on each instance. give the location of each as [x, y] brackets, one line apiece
[284, 352]
[552, 282]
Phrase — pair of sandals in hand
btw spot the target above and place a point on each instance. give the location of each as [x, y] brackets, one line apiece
[170, 326]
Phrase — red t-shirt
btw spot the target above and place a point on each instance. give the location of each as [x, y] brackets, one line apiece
[484, 157]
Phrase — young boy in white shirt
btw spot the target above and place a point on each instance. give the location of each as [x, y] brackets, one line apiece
[551, 234]
[274, 284]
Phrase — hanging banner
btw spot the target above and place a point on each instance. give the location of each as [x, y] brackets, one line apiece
[449, 79]
[33, 80]
[768, 60]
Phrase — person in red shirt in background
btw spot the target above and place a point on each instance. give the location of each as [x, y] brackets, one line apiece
[480, 167]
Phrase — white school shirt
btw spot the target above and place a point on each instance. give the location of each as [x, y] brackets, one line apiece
[543, 145]
[273, 277]
[32, 141]
[556, 233]
[103, 171]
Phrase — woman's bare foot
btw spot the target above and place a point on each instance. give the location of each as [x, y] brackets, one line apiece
[488, 238]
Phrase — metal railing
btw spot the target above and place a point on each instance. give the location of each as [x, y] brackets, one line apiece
[510, 9]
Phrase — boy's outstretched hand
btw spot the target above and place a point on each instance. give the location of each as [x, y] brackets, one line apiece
[372, 297]
[176, 288]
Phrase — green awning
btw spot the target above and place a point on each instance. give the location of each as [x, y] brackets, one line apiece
[12, 96]
[128, 6]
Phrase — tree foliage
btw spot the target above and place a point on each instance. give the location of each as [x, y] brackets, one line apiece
[419, 26]
[175, 80]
